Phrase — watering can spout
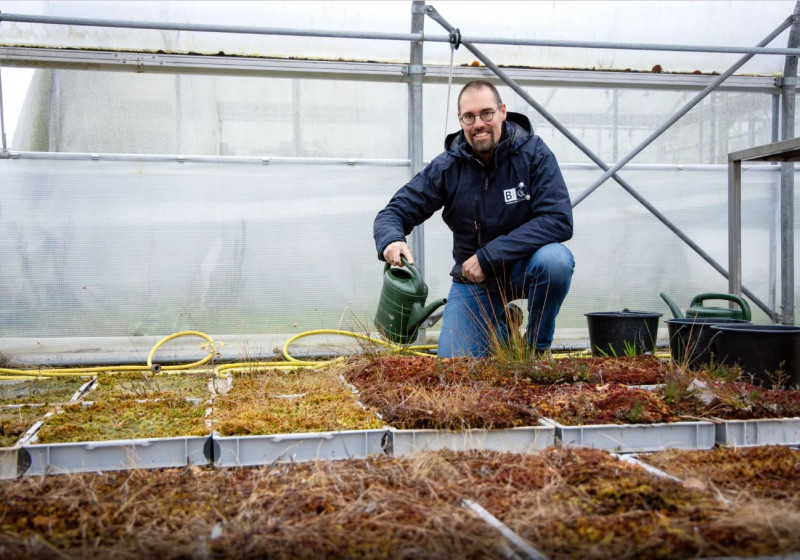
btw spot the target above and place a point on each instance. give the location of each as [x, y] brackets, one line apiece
[672, 305]
[420, 313]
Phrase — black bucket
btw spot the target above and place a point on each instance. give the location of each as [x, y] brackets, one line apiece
[620, 333]
[691, 340]
[761, 351]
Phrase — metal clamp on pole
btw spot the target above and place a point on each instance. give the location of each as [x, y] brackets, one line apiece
[455, 38]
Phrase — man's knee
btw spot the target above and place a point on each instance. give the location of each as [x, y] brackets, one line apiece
[554, 259]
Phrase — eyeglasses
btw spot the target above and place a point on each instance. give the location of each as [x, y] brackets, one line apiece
[486, 116]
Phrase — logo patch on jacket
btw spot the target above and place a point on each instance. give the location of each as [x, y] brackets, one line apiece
[514, 195]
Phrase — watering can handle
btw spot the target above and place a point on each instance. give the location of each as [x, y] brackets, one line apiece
[698, 301]
[414, 270]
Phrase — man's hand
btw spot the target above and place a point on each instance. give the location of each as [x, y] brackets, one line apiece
[393, 251]
[471, 270]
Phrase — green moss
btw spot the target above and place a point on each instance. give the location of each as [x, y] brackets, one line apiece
[277, 402]
[124, 419]
[140, 384]
[42, 390]
[15, 421]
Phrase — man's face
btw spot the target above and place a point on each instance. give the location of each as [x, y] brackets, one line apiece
[482, 136]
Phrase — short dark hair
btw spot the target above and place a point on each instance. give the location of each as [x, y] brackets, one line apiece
[475, 85]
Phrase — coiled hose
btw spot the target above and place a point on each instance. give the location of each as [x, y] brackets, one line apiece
[221, 370]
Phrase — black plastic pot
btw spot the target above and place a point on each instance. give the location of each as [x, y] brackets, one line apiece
[761, 351]
[691, 340]
[620, 333]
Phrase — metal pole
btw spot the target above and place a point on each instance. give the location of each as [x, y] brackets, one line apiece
[788, 87]
[686, 108]
[561, 128]
[735, 227]
[415, 74]
[210, 28]
[774, 210]
[4, 152]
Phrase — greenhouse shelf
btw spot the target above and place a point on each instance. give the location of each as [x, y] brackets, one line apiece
[768, 431]
[514, 440]
[240, 451]
[91, 456]
[629, 438]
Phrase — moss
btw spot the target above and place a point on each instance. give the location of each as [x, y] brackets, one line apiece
[124, 419]
[15, 421]
[147, 385]
[42, 390]
[279, 402]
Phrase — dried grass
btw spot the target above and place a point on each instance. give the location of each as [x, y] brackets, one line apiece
[570, 503]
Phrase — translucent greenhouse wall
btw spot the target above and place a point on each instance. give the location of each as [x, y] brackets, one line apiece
[137, 205]
[83, 112]
[134, 248]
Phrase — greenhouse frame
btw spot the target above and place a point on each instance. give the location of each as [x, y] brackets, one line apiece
[182, 175]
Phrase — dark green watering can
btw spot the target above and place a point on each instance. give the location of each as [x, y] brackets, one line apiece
[697, 310]
[402, 309]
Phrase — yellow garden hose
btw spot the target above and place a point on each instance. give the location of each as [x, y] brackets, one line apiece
[211, 346]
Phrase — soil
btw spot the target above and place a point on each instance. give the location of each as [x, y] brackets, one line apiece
[565, 503]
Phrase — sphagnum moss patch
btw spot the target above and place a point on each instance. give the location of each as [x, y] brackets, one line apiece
[567, 503]
[15, 421]
[757, 472]
[124, 419]
[146, 385]
[279, 402]
[41, 390]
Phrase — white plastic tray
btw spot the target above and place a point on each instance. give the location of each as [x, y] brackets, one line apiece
[8, 462]
[768, 431]
[122, 454]
[629, 438]
[13, 462]
[515, 440]
[235, 451]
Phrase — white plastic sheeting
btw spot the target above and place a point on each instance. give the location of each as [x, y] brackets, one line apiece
[75, 111]
[129, 247]
[711, 23]
[133, 248]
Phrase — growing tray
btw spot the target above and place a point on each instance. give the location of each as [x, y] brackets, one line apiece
[629, 438]
[17, 422]
[768, 431]
[239, 451]
[513, 440]
[91, 456]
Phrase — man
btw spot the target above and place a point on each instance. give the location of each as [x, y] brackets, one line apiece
[507, 205]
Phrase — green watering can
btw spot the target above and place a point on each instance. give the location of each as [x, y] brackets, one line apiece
[697, 310]
[402, 309]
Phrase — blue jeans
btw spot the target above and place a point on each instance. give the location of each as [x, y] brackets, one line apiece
[474, 314]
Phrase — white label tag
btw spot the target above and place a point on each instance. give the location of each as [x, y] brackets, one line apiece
[510, 195]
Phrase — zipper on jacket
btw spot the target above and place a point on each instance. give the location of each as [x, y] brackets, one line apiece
[478, 221]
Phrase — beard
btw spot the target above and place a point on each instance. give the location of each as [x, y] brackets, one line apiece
[485, 144]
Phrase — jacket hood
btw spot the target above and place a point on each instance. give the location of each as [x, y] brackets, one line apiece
[455, 139]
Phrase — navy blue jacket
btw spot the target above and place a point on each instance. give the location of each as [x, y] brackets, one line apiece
[501, 212]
